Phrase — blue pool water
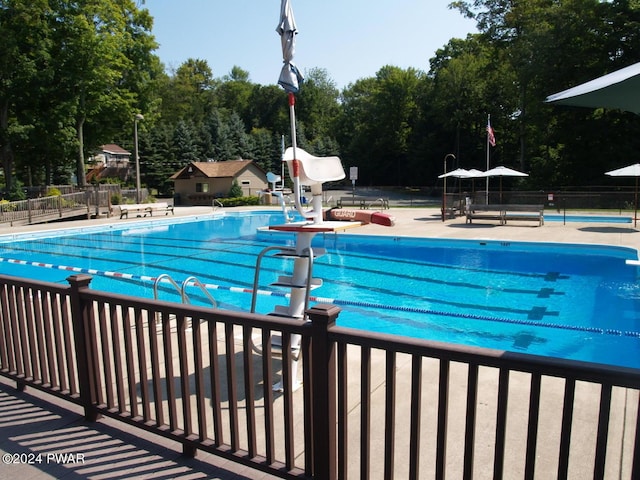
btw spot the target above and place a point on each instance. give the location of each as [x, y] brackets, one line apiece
[571, 301]
[558, 217]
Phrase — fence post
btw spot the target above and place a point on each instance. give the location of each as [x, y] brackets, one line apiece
[85, 346]
[323, 391]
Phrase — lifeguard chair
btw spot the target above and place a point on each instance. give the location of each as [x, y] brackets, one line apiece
[311, 171]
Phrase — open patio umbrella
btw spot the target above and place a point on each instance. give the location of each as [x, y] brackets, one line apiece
[458, 173]
[502, 172]
[474, 173]
[630, 171]
[619, 89]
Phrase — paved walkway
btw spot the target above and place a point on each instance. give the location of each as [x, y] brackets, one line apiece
[35, 423]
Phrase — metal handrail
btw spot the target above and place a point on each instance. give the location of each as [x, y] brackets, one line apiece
[198, 283]
[159, 278]
[381, 200]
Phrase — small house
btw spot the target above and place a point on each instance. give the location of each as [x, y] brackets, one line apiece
[110, 161]
[199, 183]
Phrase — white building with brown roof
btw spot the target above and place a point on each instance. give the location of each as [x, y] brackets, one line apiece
[200, 182]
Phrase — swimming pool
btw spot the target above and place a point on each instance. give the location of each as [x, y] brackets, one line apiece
[559, 217]
[570, 301]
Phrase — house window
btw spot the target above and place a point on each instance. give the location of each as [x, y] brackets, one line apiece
[246, 183]
[202, 187]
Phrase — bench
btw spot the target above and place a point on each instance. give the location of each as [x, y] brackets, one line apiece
[484, 212]
[524, 212]
[363, 202]
[144, 209]
[453, 210]
[505, 213]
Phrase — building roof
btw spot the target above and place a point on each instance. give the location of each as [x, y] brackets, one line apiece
[114, 149]
[225, 169]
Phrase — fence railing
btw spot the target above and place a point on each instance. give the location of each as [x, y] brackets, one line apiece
[370, 405]
[616, 202]
[45, 208]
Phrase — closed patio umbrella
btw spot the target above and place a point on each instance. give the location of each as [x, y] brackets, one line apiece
[503, 172]
[630, 171]
[290, 79]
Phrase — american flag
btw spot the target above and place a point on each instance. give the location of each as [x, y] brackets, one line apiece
[491, 137]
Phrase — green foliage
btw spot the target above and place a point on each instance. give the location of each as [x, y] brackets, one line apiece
[239, 201]
[53, 192]
[235, 190]
[16, 191]
[73, 74]
[116, 199]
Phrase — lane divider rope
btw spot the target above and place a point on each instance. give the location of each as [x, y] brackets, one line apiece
[339, 302]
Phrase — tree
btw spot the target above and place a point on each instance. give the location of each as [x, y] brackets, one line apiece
[93, 39]
[380, 115]
[236, 190]
[188, 93]
[24, 54]
[317, 108]
[184, 146]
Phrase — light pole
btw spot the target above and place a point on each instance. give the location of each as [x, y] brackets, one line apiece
[444, 189]
[137, 118]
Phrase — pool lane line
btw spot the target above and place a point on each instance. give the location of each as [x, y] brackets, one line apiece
[335, 301]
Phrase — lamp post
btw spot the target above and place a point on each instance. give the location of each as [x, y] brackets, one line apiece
[137, 118]
[444, 189]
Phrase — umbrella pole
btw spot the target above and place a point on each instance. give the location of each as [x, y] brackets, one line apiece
[295, 165]
[635, 201]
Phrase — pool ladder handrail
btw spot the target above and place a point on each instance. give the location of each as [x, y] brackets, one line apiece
[290, 252]
[285, 252]
[197, 283]
[216, 203]
[182, 289]
[382, 201]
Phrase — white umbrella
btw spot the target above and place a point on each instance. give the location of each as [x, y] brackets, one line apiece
[619, 89]
[458, 173]
[503, 172]
[290, 80]
[474, 173]
[630, 171]
[290, 77]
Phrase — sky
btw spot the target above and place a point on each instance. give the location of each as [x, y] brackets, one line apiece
[350, 39]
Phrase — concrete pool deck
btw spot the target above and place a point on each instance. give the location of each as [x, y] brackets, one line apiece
[34, 421]
[420, 222]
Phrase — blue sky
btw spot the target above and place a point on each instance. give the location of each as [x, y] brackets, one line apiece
[351, 39]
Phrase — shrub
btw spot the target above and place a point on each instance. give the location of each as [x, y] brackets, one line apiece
[239, 201]
[235, 191]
